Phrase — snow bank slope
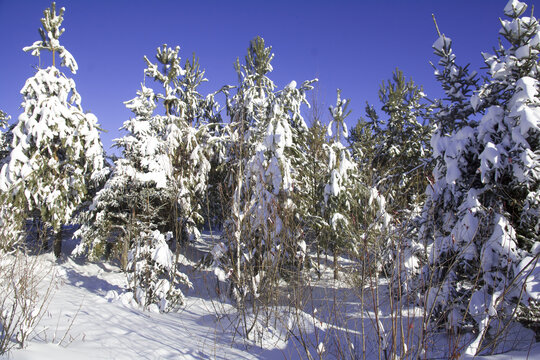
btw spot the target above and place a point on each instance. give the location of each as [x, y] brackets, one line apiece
[88, 320]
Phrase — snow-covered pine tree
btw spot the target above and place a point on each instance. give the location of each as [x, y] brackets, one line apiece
[400, 143]
[338, 188]
[11, 230]
[56, 149]
[186, 136]
[272, 227]
[392, 154]
[154, 281]
[158, 186]
[247, 108]
[452, 117]
[260, 234]
[481, 215]
[309, 188]
[133, 197]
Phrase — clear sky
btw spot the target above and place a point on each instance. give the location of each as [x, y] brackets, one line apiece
[352, 45]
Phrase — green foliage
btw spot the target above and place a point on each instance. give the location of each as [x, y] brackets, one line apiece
[392, 152]
[257, 65]
[5, 137]
[309, 191]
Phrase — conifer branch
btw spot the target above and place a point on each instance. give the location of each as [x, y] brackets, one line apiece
[436, 26]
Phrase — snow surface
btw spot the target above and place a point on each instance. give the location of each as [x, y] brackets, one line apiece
[92, 317]
[100, 323]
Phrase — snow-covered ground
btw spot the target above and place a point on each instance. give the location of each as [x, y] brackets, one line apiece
[88, 319]
[90, 316]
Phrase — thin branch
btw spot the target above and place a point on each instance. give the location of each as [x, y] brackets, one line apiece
[436, 26]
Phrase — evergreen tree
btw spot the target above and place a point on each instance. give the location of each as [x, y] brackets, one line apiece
[309, 191]
[185, 134]
[481, 215]
[154, 279]
[362, 141]
[11, 227]
[338, 190]
[157, 188]
[56, 150]
[393, 152]
[260, 234]
[133, 198]
[246, 110]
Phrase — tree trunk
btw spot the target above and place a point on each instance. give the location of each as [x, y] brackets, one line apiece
[125, 251]
[336, 270]
[41, 233]
[58, 243]
[318, 261]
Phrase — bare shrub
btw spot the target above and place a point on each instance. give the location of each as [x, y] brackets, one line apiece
[23, 299]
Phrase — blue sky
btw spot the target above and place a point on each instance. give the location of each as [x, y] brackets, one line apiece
[352, 45]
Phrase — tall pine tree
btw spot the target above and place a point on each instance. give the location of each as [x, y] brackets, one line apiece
[481, 215]
[339, 182]
[394, 150]
[155, 191]
[260, 233]
[56, 150]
